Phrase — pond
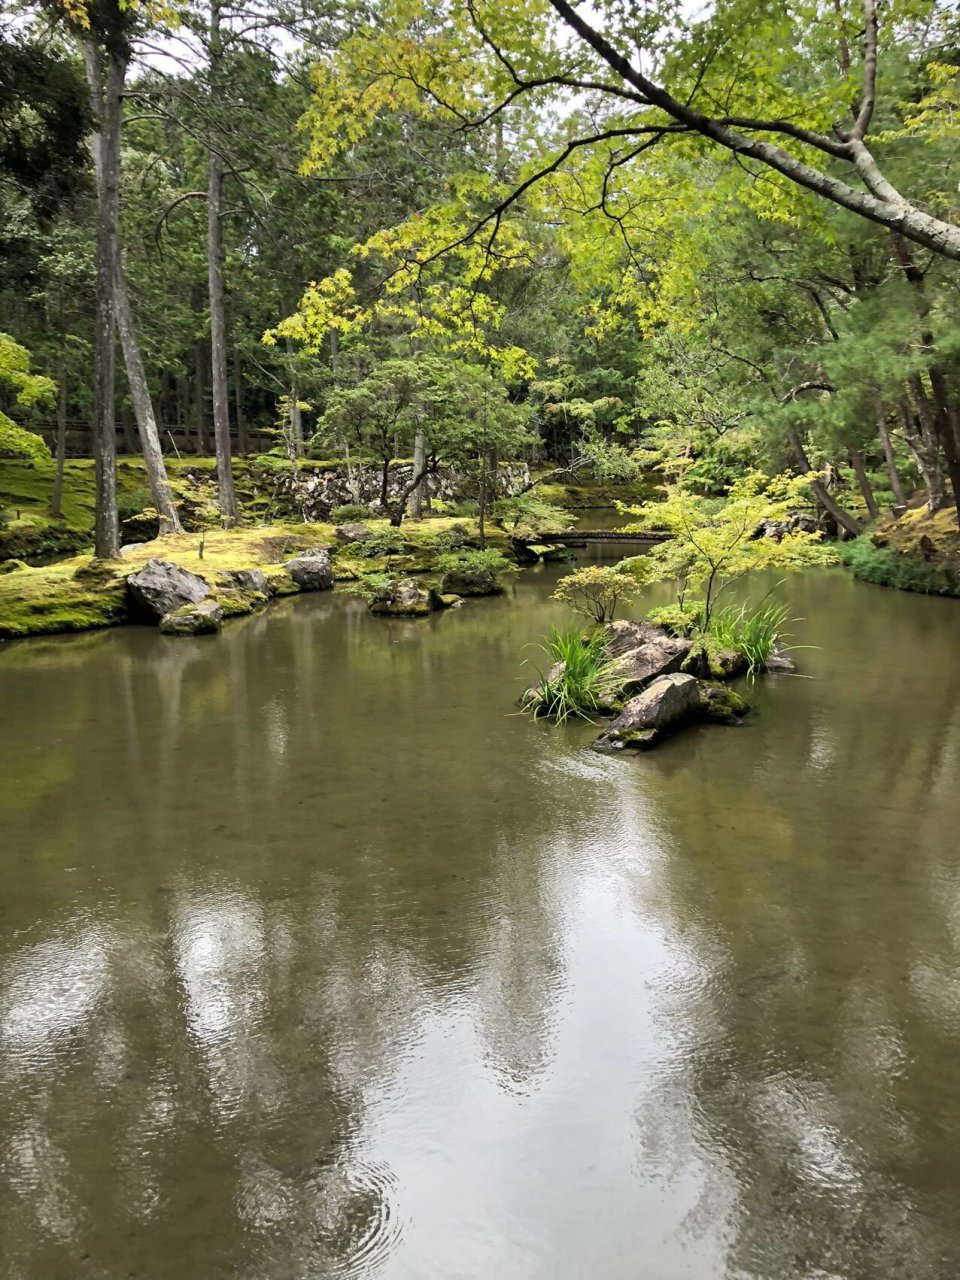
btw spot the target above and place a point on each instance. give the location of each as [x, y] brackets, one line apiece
[316, 960]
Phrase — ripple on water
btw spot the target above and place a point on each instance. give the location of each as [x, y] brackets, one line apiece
[358, 1218]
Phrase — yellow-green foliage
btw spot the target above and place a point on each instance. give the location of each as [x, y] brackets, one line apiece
[714, 541]
[28, 389]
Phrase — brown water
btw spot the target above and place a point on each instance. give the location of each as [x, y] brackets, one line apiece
[317, 962]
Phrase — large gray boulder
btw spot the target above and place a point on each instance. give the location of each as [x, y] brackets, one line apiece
[160, 587]
[625, 636]
[668, 704]
[664, 706]
[246, 580]
[352, 532]
[660, 656]
[312, 570]
[201, 619]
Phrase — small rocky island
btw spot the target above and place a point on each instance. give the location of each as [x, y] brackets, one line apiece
[661, 683]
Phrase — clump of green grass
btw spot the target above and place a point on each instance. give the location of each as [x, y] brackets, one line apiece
[755, 633]
[581, 679]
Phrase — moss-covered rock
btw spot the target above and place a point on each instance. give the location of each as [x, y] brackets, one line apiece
[236, 603]
[162, 587]
[12, 566]
[311, 570]
[721, 704]
[201, 619]
[668, 704]
[402, 597]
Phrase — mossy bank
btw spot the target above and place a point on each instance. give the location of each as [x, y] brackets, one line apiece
[80, 593]
[917, 552]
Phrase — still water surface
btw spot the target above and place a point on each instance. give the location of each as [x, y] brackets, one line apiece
[315, 961]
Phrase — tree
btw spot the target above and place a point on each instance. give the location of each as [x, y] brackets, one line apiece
[28, 389]
[712, 542]
[787, 81]
[462, 412]
[597, 590]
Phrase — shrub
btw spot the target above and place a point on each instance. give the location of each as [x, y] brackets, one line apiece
[372, 587]
[582, 677]
[349, 512]
[680, 619]
[596, 591]
[131, 502]
[456, 538]
[467, 572]
[382, 542]
[888, 568]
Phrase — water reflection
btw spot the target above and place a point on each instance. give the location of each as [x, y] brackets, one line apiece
[315, 962]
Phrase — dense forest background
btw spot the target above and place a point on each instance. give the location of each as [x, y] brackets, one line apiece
[625, 239]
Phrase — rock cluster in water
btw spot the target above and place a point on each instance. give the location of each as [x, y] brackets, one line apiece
[665, 682]
[183, 604]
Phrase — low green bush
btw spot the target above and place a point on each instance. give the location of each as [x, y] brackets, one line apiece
[349, 512]
[131, 502]
[680, 619]
[470, 572]
[382, 542]
[888, 568]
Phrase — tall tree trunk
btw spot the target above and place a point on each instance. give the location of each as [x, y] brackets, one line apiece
[384, 483]
[218, 325]
[482, 504]
[200, 380]
[143, 409]
[844, 519]
[294, 413]
[60, 455]
[419, 464]
[896, 484]
[860, 471]
[243, 445]
[945, 417]
[105, 76]
[923, 441]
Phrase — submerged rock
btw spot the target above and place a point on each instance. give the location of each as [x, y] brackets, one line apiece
[666, 705]
[721, 704]
[312, 570]
[778, 663]
[200, 619]
[446, 601]
[161, 587]
[403, 598]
